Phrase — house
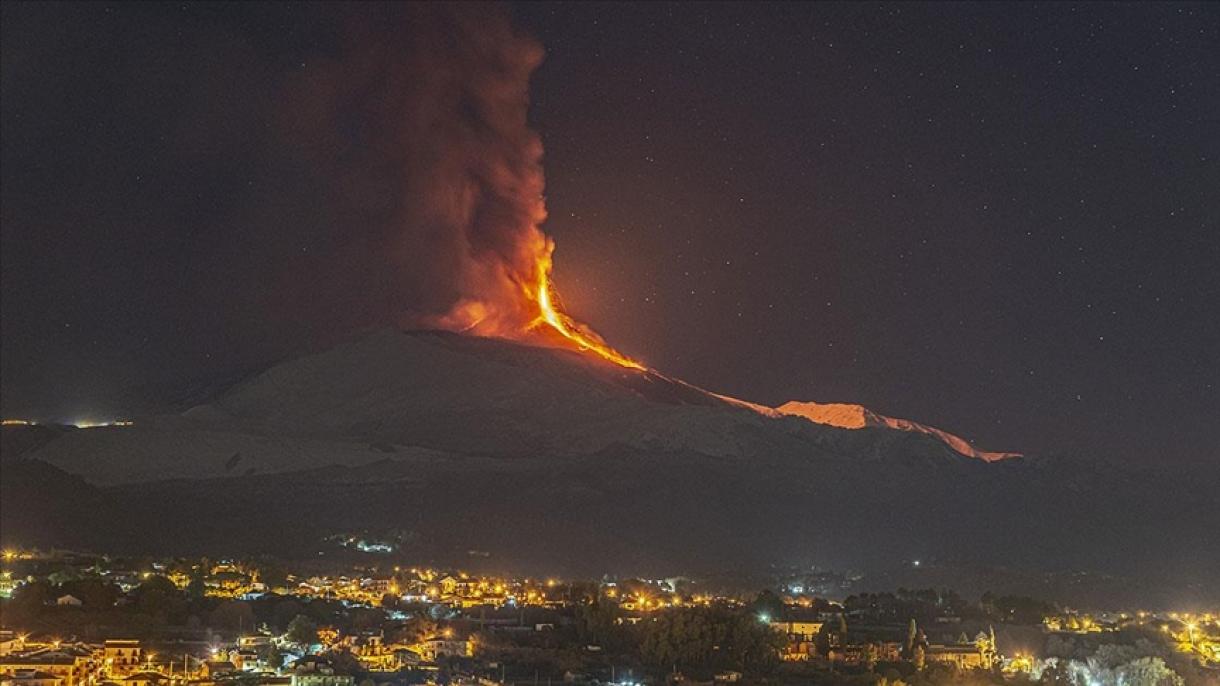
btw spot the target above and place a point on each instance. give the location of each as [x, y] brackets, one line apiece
[11, 642]
[214, 668]
[121, 656]
[143, 678]
[405, 658]
[380, 587]
[436, 648]
[962, 656]
[864, 652]
[889, 651]
[245, 659]
[72, 663]
[848, 654]
[30, 677]
[799, 629]
[317, 671]
[449, 585]
[801, 633]
[69, 600]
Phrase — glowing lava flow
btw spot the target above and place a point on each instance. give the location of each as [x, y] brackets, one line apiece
[551, 315]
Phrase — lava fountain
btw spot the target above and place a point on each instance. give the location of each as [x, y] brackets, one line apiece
[546, 323]
[482, 186]
[550, 314]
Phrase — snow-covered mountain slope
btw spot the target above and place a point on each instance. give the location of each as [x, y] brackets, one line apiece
[848, 416]
[553, 458]
[416, 393]
[487, 396]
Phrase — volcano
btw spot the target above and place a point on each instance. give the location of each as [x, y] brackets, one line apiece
[442, 392]
[554, 459]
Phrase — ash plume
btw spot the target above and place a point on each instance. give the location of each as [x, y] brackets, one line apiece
[267, 178]
[419, 125]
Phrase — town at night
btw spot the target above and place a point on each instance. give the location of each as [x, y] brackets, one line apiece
[609, 344]
[344, 622]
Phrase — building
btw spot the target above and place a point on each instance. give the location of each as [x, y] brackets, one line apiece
[436, 648]
[74, 664]
[30, 677]
[405, 658]
[11, 642]
[254, 642]
[215, 668]
[801, 635]
[798, 630]
[962, 656]
[315, 671]
[143, 679]
[245, 659]
[859, 653]
[121, 656]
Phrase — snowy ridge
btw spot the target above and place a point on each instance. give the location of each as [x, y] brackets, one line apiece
[847, 416]
[413, 396]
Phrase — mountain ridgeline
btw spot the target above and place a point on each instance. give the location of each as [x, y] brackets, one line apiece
[481, 451]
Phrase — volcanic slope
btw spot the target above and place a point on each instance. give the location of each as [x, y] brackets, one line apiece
[430, 393]
[562, 461]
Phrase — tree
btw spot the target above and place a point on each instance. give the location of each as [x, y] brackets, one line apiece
[93, 593]
[344, 663]
[415, 630]
[274, 657]
[284, 612]
[272, 576]
[705, 639]
[912, 635]
[158, 597]
[1148, 671]
[302, 631]
[1021, 609]
[232, 614]
[366, 617]
[870, 656]
[596, 623]
[987, 603]
[28, 600]
[1055, 673]
[196, 588]
[768, 605]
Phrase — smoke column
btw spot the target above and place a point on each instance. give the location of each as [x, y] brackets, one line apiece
[418, 125]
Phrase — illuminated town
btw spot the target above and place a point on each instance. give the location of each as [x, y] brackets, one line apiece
[72, 619]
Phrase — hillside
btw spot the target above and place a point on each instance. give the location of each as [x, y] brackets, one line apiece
[546, 459]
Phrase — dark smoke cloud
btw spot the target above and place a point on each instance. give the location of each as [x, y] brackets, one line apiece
[418, 130]
[230, 198]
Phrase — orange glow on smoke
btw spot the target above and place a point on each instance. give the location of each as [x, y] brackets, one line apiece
[524, 306]
[550, 314]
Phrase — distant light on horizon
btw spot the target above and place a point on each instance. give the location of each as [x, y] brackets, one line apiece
[95, 424]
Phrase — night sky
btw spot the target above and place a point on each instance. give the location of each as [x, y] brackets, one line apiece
[1002, 220]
